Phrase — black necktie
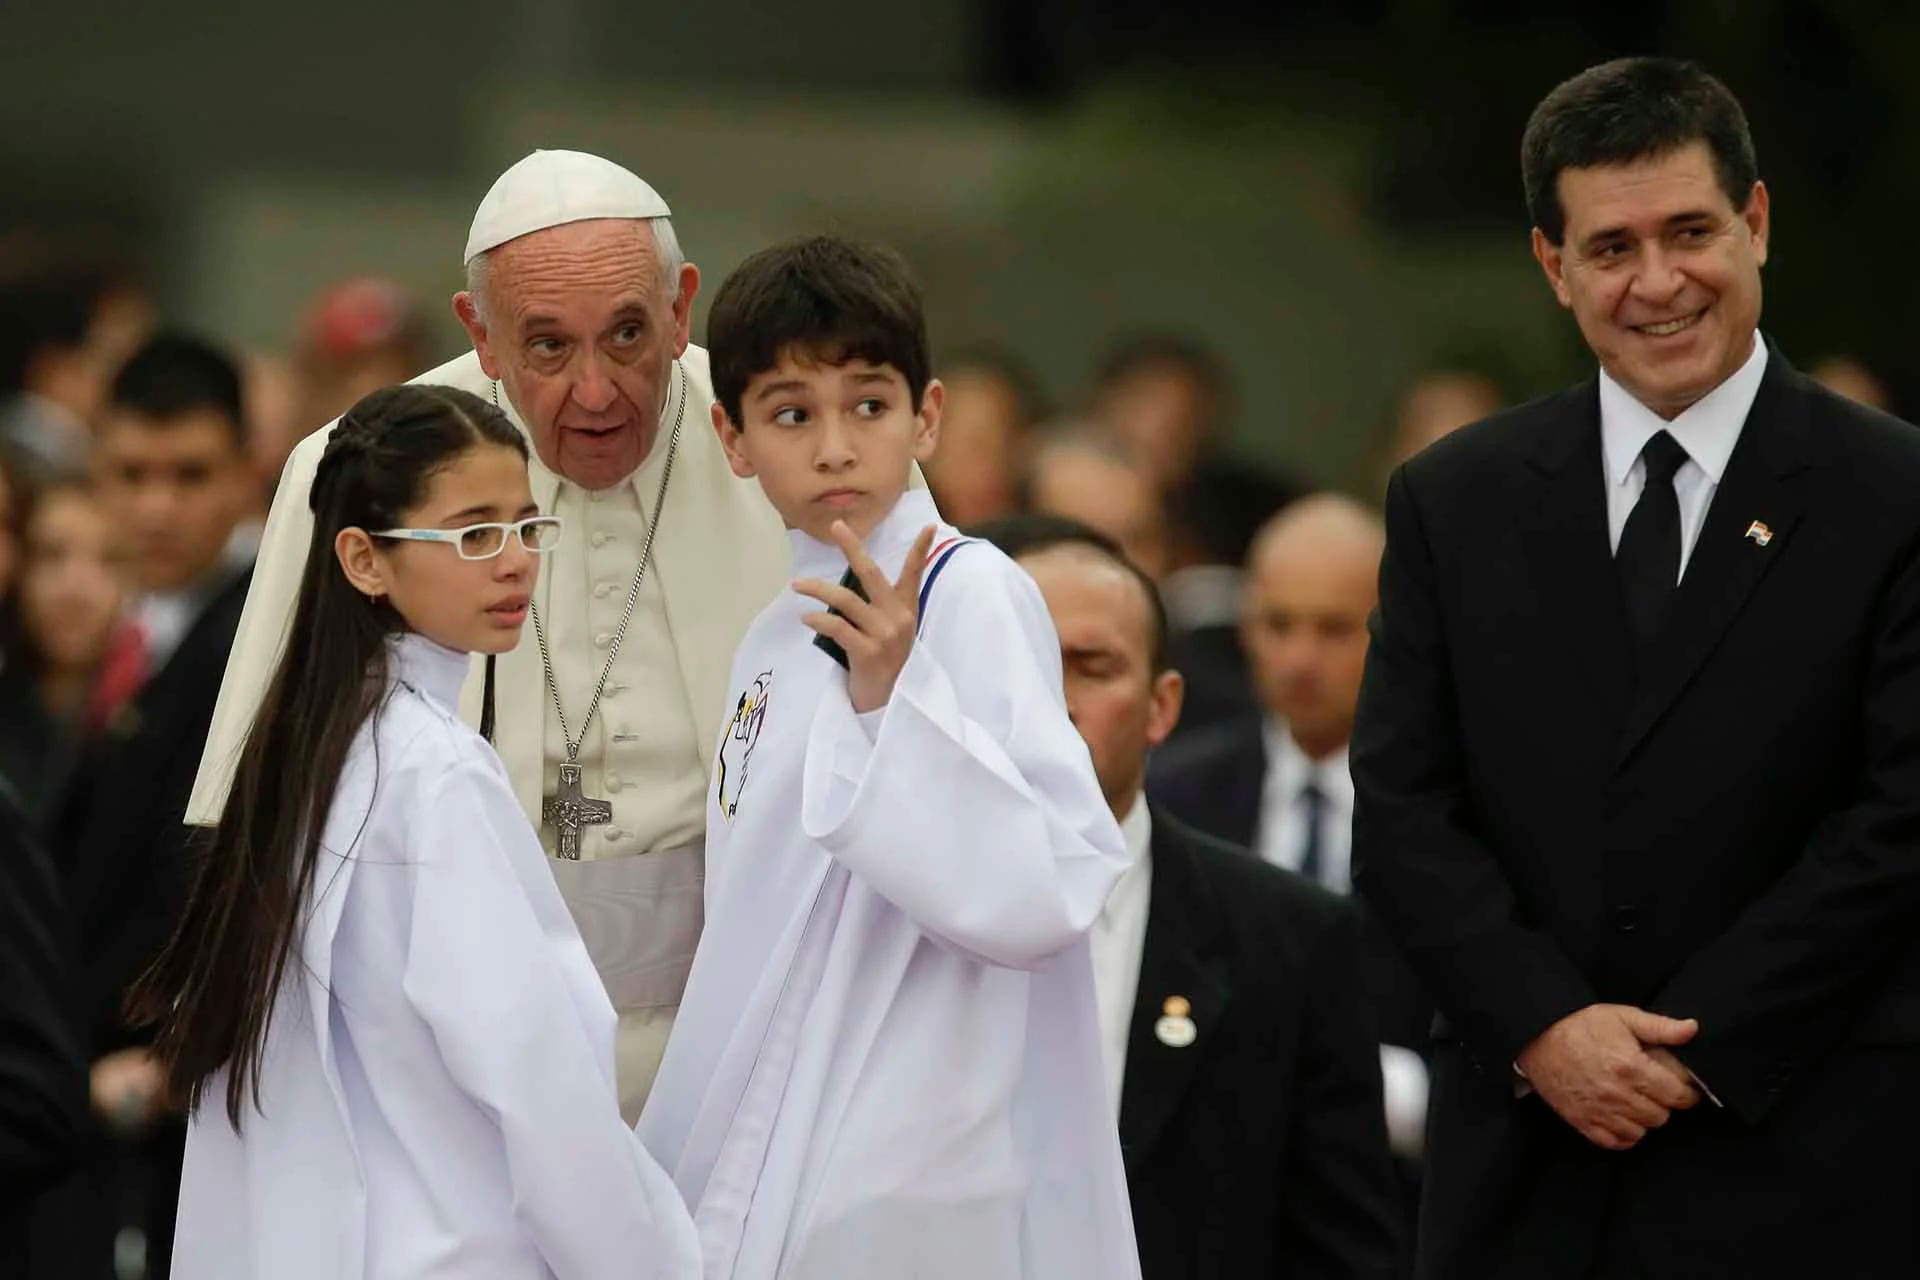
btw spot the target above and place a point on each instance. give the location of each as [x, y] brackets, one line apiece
[1315, 801]
[1649, 556]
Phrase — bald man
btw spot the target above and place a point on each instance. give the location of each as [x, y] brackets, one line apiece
[1078, 473]
[1277, 783]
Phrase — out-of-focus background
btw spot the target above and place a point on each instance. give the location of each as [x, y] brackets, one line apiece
[1325, 195]
[1182, 265]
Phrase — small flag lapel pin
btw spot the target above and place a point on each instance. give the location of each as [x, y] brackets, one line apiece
[1759, 532]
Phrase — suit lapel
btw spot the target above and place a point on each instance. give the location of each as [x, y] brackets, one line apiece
[1180, 959]
[1565, 538]
[1765, 482]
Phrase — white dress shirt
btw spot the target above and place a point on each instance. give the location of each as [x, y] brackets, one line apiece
[1708, 430]
[1116, 940]
[1282, 838]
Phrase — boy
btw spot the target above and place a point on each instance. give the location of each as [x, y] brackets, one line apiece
[887, 1063]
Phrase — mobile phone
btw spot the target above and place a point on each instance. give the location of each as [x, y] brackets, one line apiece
[827, 644]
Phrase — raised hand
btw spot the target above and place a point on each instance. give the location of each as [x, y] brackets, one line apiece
[876, 633]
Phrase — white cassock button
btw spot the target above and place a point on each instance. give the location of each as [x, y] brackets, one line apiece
[1175, 1028]
[604, 639]
[613, 782]
[602, 539]
[593, 495]
[601, 590]
[615, 834]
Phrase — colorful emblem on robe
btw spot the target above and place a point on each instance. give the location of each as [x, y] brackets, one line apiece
[736, 749]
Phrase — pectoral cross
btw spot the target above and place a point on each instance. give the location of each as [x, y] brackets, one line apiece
[568, 810]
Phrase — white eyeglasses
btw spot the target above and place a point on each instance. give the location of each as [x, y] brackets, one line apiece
[538, 534]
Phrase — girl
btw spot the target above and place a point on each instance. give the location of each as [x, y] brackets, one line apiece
[398, 1057]
[63, 643]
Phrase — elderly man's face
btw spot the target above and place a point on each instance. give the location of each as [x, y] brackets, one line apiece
[582, 330]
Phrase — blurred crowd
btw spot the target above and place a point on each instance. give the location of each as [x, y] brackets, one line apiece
[137, 463]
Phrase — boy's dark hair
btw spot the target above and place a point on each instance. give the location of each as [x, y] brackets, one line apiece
[212, 992]
[1626, 110]
[822, 298]
[1028, 535]
[174, 375]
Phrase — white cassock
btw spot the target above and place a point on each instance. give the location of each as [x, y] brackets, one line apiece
[718, 555]
[888, 1060]
[437, 1095]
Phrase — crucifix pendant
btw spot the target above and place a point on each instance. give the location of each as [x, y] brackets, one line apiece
[568, 810]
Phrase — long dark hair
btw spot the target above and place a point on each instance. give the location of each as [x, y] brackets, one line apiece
[212, 990]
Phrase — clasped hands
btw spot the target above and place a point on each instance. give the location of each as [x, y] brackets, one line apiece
[1609, 1071]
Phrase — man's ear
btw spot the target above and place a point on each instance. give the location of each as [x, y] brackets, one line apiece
[466, 309]
[1552, 261]
[683, 308]
[1758, 216]
[1169, 696]
[361, 562]
[732, 441]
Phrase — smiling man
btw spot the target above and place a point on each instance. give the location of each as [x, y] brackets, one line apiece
[579, 305]
[1637, 760]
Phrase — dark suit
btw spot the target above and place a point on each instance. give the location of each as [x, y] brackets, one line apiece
[1733, 834]
[1214, 778]
[1260, 1149]
[126, 858]
[43, 1077]
[1215, 782]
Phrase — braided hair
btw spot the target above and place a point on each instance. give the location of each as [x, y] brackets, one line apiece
[213, 989]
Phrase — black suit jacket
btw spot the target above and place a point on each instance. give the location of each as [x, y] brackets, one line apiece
[120, 832]
[1732, 834]
[1215, 783]
[1213, 779]
[126, 858]
[1260, 1149]
[43, 1078]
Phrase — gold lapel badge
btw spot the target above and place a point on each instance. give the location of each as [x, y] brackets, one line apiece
[1175, 1028]
[1759, 532]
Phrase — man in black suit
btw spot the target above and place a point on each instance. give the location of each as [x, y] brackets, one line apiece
[173, 465]
[1241, 1061]
[1274, 779]
[43, 1078]
[1638, 754]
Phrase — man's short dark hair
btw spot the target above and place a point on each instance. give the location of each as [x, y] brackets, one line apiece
[1029, 535]
[821, 298]
[174, 375]
[1627, 110]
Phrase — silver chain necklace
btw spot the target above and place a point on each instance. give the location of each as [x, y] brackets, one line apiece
[569, 810]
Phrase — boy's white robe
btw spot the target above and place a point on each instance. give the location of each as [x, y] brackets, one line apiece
[887, 1063]
[438, 1096]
